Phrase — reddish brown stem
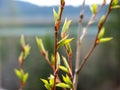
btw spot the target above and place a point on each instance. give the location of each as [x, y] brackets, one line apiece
[56, 29]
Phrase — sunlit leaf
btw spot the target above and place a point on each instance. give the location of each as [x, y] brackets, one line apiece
[64, 41]
[46, 84]
[55, 15]
[59, 10]
[67, 80]
[101, 33]
[105, 39]
[18, 73]
[25, 77]
[52, 59]
[93, 8]
[27, 51]
[40, 44]
[63, 85]
[64, 69]
[58, 59]
[65, 27]
[44, 81]
[51, 80]
[69, 50]
[65, 62]
[102, 19]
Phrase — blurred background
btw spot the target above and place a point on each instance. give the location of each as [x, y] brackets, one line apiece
[101, 72]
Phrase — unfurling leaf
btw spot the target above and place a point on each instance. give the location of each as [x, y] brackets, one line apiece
[64, 69]
[67, 80]
[26, 50]
[65, 28]
[46, 84]
[25, 77]
[68, 48]
[65, 62]
[58, 59]
[49, 83]
[93, 8]
[55, 15]
[40, 45]
[18, 73]
[59, 10]
[52, 59]
[64, 41]
[104, 40]
[102, 20]
[51, 80]
[44, 81]
[101, 33]
[63, 85]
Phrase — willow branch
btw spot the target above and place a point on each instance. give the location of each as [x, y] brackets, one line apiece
[80, 38]
[95, 42]
[56, 29]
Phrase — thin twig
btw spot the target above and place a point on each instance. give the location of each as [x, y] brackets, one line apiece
[75, 79]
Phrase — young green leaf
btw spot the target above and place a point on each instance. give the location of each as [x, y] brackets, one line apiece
[102, 20]
[63, 42]
[44, 81]
[52, 59]
[27, 50]
[25, 77]
[67, 80]
[69, 50]
[59, 10]
[18, 73]
[64, 69]
[104, 39]
[46, 84]
[58, 59]
[65, 62]
[63, 85]
[51, 80]
[93, 8]
[101, 33]
[65, 27]
[40, 44]
[55, 15]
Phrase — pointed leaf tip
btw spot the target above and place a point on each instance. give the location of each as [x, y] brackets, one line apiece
[105, 39]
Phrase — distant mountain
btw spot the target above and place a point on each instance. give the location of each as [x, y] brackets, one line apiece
[28, 12]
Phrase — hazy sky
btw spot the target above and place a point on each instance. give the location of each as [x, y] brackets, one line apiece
[56, 2]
